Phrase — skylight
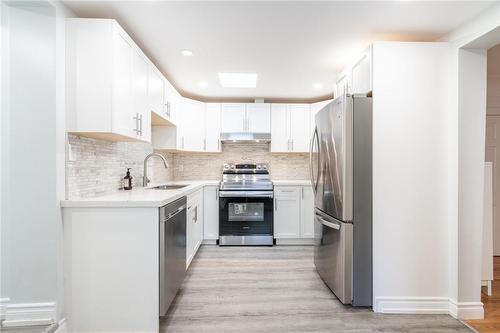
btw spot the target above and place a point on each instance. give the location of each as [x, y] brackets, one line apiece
[238, 80]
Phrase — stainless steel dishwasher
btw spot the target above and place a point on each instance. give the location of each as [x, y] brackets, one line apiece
[172, 251]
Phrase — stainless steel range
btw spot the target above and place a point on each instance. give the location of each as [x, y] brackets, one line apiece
[246, 205]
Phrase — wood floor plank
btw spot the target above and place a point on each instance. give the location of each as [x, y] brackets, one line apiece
[275, 289]
[491, 321]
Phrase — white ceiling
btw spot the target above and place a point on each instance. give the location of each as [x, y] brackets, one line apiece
[291, 45]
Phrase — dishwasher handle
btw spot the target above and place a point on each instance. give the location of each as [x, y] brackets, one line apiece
[172, 214]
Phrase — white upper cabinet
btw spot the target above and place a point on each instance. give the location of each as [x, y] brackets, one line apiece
[170, 102]
[356, 79]
[299, 127]
[140, 112]
[103, 99]
[233, 117]
[251, 117]
[156, 90]
[280, 128]
[362, 74]
[258, 118]
[122, 99]
[212, 130]
[290, 130]
[192, 124]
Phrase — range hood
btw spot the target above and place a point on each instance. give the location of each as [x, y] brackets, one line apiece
[244, 137]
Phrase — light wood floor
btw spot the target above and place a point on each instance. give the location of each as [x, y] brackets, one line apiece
[275, 289]
[491, 321]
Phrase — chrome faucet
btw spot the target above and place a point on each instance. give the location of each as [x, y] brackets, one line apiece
[145, 179]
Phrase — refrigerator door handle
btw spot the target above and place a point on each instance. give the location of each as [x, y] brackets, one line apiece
[332, 225]
[314, 182]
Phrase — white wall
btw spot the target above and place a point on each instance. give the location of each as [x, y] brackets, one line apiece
[410, 184]
[467, 128]
[33, 155]
[471, 145]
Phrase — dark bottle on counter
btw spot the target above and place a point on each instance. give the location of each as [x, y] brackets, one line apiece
[127, 181]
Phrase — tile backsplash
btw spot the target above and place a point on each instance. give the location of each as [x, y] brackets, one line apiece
[97, 166]
[285, 166]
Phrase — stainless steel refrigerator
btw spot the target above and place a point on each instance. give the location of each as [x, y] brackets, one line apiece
[341, 176]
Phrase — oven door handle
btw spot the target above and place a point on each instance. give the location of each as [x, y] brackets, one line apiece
[246, 194]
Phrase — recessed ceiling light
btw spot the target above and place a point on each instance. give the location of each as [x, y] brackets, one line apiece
[187, 53]
[238, 80]
[317, 86]
[202, 84]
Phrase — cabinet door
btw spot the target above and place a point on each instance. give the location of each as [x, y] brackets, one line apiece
[342, 86]
[199, 219]
[362, 74]
[258, 118]
[169, 101]
[211, 213]
[307, 212]
[122, 120]
[141, 115]
[233, 118]
[280, 128]
[189, 234]
[156, 90]
[193, 125]
[212, 130]
[287, 212]
[299, 127]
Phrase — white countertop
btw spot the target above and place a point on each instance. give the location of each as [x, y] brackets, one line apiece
[140, 196]
[147, 197]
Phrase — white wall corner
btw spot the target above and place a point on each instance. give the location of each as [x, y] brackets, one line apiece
[29, 314]
[3, 307]
[466, 310]
[412, 305]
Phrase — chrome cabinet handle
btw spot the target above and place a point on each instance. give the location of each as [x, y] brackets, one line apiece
[195, 214]
[216, 194]
[292, 144]
[275, 204]
[302, 191]
[140, 122]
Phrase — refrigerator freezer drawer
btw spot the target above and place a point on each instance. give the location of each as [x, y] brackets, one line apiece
[333, 255]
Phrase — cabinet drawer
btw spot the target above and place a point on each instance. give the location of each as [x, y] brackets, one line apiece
[286, 191]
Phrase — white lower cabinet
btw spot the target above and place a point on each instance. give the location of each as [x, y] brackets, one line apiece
[194, 224]
[307, 212]
[211, 214]
[293, 214]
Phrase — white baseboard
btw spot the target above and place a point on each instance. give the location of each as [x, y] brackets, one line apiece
[29, 314]
[413, 305]
[62, 327]
[466, 310]
[209, 242]
[294, 241]
[3, 307]
[429, 305]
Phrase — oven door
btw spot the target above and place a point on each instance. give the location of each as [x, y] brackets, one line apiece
[243, 213]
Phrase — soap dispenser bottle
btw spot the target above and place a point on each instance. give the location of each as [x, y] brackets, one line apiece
[127, 181]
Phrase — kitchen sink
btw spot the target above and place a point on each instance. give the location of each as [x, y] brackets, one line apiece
[169, 187]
